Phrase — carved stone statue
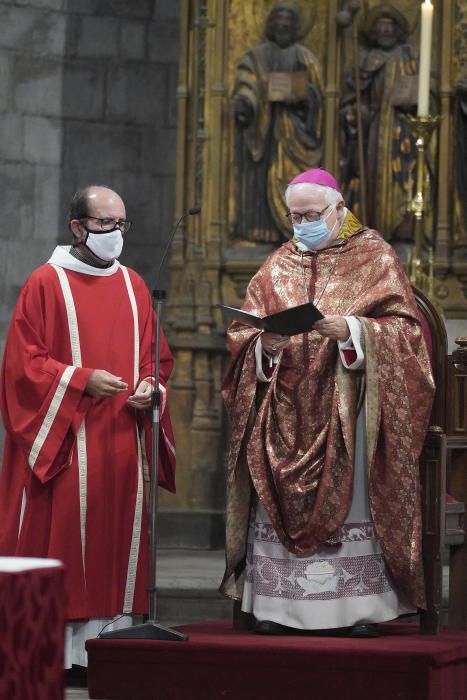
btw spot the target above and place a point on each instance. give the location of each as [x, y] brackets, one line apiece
[388, 90]
[278, 109]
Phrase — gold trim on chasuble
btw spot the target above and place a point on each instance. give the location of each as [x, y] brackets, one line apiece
[50, 415]
[350, 226]
[81, 434]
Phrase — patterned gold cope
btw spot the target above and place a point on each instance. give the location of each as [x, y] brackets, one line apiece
[292, 439]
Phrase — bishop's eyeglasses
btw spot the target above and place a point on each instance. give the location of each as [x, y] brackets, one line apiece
[296, 217]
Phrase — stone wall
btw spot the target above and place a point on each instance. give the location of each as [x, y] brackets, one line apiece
[87, 95]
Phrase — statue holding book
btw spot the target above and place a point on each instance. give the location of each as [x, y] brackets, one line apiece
[277, 102]
[388, 71]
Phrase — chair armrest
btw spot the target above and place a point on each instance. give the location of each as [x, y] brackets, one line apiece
[433, 485]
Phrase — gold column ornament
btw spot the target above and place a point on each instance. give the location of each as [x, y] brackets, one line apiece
[331, 90]
[445, 169]
[421, 272]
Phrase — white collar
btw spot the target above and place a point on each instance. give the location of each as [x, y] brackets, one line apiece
[304, 248]
[61, 257]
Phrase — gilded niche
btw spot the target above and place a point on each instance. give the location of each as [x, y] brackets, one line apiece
[277, 105]
[387, 93]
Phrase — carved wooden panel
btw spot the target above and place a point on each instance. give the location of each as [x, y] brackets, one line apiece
[457, 395]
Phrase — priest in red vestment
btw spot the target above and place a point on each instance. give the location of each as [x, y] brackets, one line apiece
[76, 384]
[323, 507]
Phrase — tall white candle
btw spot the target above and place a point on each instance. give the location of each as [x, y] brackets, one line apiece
[425, 59]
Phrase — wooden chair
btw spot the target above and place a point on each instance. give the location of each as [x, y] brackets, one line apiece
[433, 467]
[442, 513]
[456, 476]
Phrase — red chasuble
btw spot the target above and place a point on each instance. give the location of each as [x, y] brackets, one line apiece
[72, 482]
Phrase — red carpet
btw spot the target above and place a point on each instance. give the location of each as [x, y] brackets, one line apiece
[220, 663]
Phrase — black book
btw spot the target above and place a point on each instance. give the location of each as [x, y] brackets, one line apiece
[298, 319]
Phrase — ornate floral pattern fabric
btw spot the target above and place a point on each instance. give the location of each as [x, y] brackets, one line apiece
[328, 578]
[32, 620]
[293, 439]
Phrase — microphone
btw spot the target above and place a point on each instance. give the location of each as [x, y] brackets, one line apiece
[191, 212]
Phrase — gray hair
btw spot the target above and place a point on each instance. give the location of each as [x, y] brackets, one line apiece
[331, 195]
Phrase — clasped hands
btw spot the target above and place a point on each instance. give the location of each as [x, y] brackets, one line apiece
[102, 384]
[333, 327]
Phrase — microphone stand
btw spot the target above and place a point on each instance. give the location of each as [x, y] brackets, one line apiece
[152, 629]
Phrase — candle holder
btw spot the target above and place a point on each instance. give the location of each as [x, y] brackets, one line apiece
[421, 274]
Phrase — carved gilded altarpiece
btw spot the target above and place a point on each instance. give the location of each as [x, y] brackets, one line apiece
[210, 263]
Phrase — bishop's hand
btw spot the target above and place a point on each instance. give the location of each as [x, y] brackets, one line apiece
[273, 342]
[334, 327]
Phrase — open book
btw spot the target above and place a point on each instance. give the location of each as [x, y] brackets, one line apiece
[298, 319]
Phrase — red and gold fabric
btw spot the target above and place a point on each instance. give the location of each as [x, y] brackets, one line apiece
[293, 439]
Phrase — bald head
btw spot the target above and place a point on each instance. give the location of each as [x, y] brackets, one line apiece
[87, 200]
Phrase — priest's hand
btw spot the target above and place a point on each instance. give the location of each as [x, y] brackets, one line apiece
[102, 384]
[142, 398]
[334, 327]
[273, 342]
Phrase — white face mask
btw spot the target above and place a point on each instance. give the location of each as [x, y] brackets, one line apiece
[106, 246]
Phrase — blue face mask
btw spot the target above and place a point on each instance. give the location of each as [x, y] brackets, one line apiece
[313, 233]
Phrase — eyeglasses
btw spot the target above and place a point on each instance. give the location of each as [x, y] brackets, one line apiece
[296, 218]
[110, 224]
